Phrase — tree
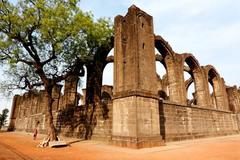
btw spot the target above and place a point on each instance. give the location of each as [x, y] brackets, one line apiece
[95, 70]
[3, 117]
[44, 42]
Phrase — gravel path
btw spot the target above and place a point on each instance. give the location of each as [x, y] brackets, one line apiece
[20, 146]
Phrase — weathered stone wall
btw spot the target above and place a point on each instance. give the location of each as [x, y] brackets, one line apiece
[30, 108]
[234, 99]
[103, 127]
[180, 122]
[177, 122]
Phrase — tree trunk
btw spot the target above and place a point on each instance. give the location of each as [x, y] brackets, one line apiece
[51, 130]
[94, 86]
[93, 96]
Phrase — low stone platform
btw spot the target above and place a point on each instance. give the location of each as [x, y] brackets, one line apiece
[58, 144]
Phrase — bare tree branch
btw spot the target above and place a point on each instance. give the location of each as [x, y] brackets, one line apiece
[52, 57]
[26, 62]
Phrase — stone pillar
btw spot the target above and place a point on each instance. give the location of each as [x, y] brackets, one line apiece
[56, 96]
[220, 93]
[225, 95]
[14, 113]
[180, 94]
[70, 91]
[201, 87]
[42, 105]
[211, 99]
[234, 99]
[219, 88]
[35, 104]
[135, 104]
[175, 80]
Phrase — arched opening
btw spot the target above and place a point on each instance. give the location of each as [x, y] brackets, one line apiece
[82, 87]
[191, 80]
[192, 94]
[107, 86]
[219, 95]
[106, 98]
[163, 91]
[108, 72]
[108, 75]
[190, 88]
[214, 87]
[169, 60]
[212, 95]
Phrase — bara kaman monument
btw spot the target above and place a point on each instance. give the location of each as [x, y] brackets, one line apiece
[140, 109]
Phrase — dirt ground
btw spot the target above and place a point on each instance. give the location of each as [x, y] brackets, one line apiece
[21, 146]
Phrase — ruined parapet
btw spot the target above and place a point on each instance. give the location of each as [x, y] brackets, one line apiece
[37, 102]
[173, 65]
[135, 103]
[191, 65]
[219, 90]
[103, 128]
[164, 94]
[14, 113]
[42, 102]
[225, 95]
[56, 94]
[27, 109]
[107, 92]
[233, 99]
[70, 97]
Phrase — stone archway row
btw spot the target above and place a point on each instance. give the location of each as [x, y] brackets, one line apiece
[201, 76]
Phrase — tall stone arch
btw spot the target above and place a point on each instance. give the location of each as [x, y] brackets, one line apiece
[170, 62]
[197, 77]
[219, 88]
[233, 99]
[164, 92]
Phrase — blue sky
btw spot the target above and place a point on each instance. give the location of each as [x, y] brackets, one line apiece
[209, 29]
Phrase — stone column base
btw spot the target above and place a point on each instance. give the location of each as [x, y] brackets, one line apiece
[137, 143]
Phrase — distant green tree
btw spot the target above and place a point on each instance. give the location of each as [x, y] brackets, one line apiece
[3, 117]
[44, 42]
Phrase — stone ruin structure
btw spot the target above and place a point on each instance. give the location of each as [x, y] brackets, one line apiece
[141, 109]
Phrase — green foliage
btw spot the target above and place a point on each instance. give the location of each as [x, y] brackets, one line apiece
[52, 33]
[3, 117]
